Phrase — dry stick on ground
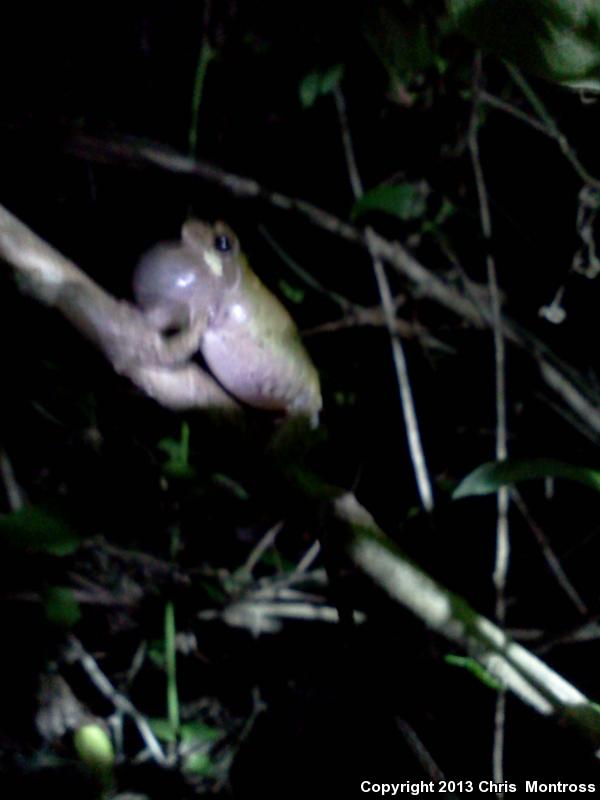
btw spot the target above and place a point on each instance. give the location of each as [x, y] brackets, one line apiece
[75, 651]
[574, 390]
[502, 495]
[409, 413]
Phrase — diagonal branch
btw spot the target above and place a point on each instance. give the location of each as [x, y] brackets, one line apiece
[502, 558]
[574, 390]
[409, 412]
[522, 673]
[158, 365]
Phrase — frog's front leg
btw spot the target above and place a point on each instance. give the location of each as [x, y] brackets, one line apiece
[122, 331]
[181, 346]
[157, 364]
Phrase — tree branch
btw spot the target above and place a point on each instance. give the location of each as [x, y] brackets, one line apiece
[158, 365]
[518, 670]
[472, 305]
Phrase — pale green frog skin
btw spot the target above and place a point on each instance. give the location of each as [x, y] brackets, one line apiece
[246, 336]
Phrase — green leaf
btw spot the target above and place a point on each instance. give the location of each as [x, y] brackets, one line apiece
[345, 397]
[293, 293]
[178, 452]
[199, 764]
[447, 210]
[556, 39]
[318, 83]
[230, 485]
[489, 477]
[331, 78]
[402, 38]
[60, 606]
[404, 200]
[33, 528]
[275, 560]
[163, 730]
[156, 653]
[475, 669]
[213, 592]
[199, 732]
[309, 89]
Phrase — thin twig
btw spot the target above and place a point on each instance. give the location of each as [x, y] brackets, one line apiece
[499, 740]
[420, 752]
[14, 493]
[502, 543]
[266, 542]
[205, 56]
[552, 127]
[502, 531]
[387, 302]
[549, 555]
[306, 276]
[513, 111]
[119, 701]
[355, 315]
[577, 393]
[374, 318]
[258, 708]
[307, 559]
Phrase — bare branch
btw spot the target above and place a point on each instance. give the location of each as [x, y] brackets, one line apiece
[411, 423]
[158, 365]
[471, 306]
[529, 678]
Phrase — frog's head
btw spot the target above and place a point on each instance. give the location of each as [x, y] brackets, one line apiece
[217, 248]
[176, 283]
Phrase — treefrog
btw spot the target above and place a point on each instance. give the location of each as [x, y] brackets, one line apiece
[203, 284]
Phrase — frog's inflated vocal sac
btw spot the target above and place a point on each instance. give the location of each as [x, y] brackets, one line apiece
[245, 335]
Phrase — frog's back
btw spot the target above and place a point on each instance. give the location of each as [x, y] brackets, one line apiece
[254, 349]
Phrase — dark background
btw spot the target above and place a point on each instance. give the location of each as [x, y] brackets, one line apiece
[84, 443]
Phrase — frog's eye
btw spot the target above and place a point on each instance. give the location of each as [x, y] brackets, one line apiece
[222, 243]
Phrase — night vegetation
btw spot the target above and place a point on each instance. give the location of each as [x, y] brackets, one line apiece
[234, 603]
